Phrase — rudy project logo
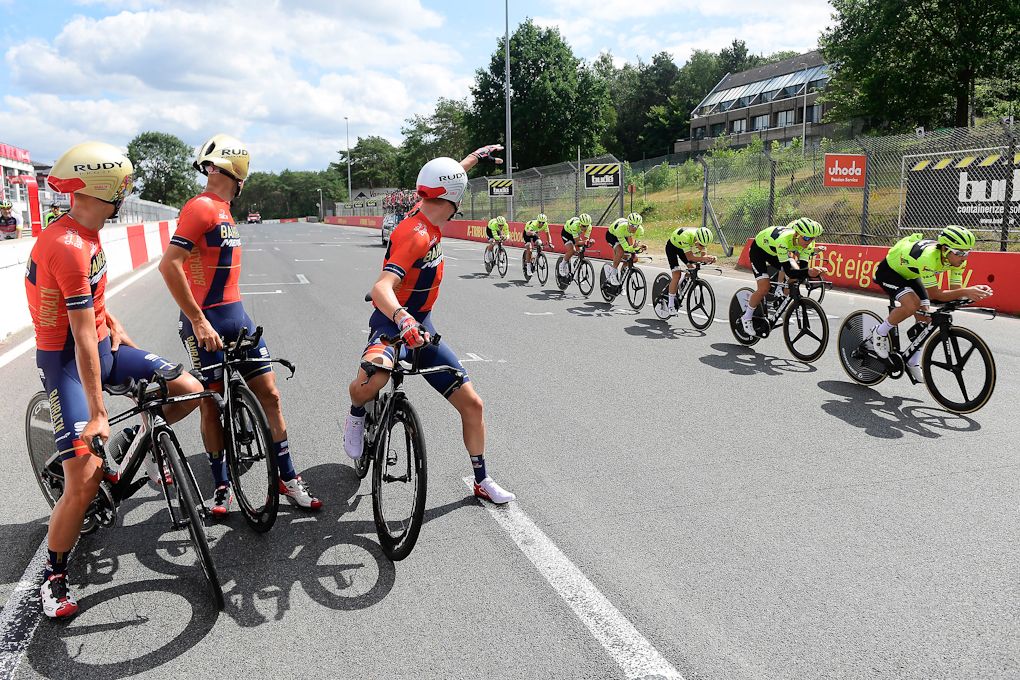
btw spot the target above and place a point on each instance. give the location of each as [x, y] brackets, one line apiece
[501, 187]
[845, 170]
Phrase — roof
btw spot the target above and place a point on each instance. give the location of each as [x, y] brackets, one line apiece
[787, 78]
[768, 71]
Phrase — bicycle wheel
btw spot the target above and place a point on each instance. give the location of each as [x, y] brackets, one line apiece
[637, 288]
[364, 464]
[251, 460]
[561, 282]
[859, 364]
[399, 481]
[524, 266]
[603, 283]
[489, 263]
[701, 305]
[542, 268]
[737, 305]
[190, 509]
[946, 355]
[501, 261]
[815, 289]
[585, 278]
[42, 457]
[660, 293]
[806, 330]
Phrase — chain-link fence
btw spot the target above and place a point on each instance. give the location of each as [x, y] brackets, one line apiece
[135, 210]
[917, 182]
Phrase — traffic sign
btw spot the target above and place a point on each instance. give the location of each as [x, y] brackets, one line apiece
[603, 175]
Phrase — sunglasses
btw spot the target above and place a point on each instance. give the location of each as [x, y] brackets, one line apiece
[959, 253]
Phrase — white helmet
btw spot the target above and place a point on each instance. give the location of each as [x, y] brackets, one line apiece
[442, 178]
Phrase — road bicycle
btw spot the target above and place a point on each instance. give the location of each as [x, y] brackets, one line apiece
[538, 260]
[946, 351]
[805, 326]
[581, 270]
[631, 278]
[814, 286]
[153, 443]
[498, 259]
[694, 291]
[395, 444]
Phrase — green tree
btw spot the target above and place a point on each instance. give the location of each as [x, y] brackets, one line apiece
[444, 132]
[291, 193]
[373, 163]
[908, 63]
[163, 168]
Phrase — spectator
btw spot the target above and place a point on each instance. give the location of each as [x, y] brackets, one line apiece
[10, 225]
[53, 214]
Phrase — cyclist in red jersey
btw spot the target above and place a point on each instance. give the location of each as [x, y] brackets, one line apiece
[201, 268]
[403, 296]
[81, 346]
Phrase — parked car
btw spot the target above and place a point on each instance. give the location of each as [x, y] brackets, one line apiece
[254, 218]
[389, 223]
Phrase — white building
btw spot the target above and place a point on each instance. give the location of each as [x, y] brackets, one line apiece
[15, 161]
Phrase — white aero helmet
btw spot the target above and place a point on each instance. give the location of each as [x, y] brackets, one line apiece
[227, 153]
[442, 178]
[94, 169]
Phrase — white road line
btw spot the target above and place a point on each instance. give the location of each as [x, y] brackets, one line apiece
[537, 313]
[263, 292]
[302, 280]
[320, 260]
[634, 654]
[21, 614]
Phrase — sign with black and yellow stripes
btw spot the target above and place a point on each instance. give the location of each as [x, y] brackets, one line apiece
[501, 188]
[968, 188]
[603, 175]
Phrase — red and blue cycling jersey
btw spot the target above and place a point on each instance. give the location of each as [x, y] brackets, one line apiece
[207, 231]
[66, 271]
[415, 254]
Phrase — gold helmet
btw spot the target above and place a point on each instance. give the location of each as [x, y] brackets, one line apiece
[94, 169]
[227, 153]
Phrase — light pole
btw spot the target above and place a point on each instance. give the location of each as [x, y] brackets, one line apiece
[322, 207]
[509, 152]
[350, 196]
[803, 128]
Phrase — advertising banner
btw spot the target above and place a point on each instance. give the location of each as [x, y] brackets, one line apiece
[603, 175]
[845, 170]
[969, 188]
[501, 188]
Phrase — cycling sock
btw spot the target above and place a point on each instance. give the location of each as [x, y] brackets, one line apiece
[884, 328]
[357, 411]
[478, 463]
[672, 300]
[218, 465]
[283, 461]
[748, 313]
[56, 563]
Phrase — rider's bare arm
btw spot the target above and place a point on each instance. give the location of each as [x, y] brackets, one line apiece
[385, 297]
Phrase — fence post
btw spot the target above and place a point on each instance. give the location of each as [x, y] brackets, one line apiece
[1007, 219]
[772, 189]
[541, 191]
[866, 202]
[623, 189]
[473, 205]
[704, 196]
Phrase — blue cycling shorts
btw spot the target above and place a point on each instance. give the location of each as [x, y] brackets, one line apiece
[431, 355]
[227, 320]
[69, 411]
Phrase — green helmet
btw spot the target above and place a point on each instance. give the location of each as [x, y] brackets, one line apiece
[542, 218]
[806, 227]
[5, 205]
[501, 221]
[704, 236]
[957, 238]
[634, 219]
[585, 219]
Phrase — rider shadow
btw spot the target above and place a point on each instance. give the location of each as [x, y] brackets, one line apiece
[741, 360]
[475, 275]
[890, 417]
[657, 329]
[550, 294]
[512, 283]
[596, 309]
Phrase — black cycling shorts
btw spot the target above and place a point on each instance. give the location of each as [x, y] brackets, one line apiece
[611, 239]
[675, 256]
[761, 261]
[530, 236]
[491, 234]
[895, 286]
[568, 238]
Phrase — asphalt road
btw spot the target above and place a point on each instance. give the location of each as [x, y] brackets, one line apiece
[748, 515]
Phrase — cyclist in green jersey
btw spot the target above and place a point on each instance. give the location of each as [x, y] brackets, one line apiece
[496, 230]
[532, 229]
[787, 248]
[571, 235]
[624, 235]
[909, 276]
[681, 247]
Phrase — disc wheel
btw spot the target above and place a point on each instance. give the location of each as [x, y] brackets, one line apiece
[46, 466]
[502, 262]
[586, 278]
[524, 266]
[737, 305]
[660, 293]
[251, 460]
[949, 353]
[364, 464]
[399, 482]
[603, 287]
[542, 268]
[806, 330]
[489, 263]
[859, 364]
[561, 282]
[701, 305]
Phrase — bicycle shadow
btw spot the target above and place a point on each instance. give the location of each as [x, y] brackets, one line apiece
[741, 360]
[658, 329]
[477, 275]
[594, 308]
[512, 283]
[553, 294]
[890, 417]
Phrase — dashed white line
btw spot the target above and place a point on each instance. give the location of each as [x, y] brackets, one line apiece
[632, 652]
[20, 615]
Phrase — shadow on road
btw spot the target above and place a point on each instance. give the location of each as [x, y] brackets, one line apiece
[600, 309]
[553, 294]
[890, 417]
[657, 329]
[740, 360]
[477, 275]
[512, 283]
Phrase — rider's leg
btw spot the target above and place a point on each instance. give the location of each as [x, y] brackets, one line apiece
[82, 475]
[363, 389]
[762, 288]
[186, 384]
[674, 285]
[471, 409]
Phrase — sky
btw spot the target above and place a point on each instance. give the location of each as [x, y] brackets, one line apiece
[283, 75]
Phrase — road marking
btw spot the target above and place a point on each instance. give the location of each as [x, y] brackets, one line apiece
[634, 654]
[302, 280]
[21, 614]
[473, 357]
[537, 313]
[263, 292]
[319, 260]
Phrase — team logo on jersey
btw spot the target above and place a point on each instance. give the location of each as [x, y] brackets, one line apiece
[230, 237]
[97, 269]
[71, 238]
[434, 257]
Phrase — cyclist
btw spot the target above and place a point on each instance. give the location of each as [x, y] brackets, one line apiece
[403, 297]
[787, 248]
[680, 248]
[53, 214]
[496, 230]
[10, 226]
[201, 267]
[909, 276]
[624, 236]
[571, 232]
[532, 229]
[81, 346]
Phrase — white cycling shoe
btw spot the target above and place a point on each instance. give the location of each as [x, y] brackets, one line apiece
[57, 600]
[880, 343]
[297, 494]
[748, 325]
[489, 490]
[916, 373]
[564, 270]
[354, 436]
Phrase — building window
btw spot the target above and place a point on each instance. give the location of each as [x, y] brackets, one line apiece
[717, 129]
[786, 118]
[760, 122]
[738, 126]
[699, 133]
[814, 113]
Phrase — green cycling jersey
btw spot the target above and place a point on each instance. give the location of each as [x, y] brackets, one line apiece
[781, 242]
[684, 239]
[501, 231]
[621, 230]
[915, 257]
[573, 227]
[536, 227]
